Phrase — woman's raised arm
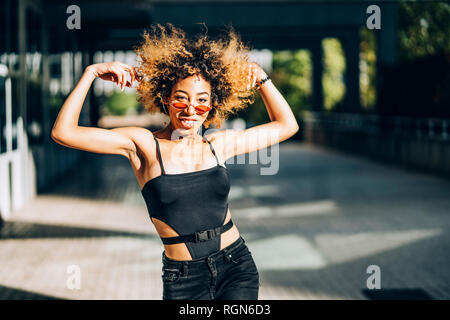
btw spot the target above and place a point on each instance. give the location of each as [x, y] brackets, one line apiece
[282, 126]
[66, 130]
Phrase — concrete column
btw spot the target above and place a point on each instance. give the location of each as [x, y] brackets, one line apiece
[352, 101]
[387, 41]
[317, 57]
[47, 124]
[386, 44]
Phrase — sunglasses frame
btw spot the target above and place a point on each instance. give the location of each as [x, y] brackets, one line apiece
[196, 108]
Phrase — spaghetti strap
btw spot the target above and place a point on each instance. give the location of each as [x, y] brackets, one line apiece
[212, 150]
[159, 156]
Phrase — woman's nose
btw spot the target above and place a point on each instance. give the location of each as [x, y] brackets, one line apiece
[190, 109]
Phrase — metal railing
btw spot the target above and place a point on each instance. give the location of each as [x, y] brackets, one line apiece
[408, 127]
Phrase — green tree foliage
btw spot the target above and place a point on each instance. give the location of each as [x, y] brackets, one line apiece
[333, 73]
[423, 29]
[367, 68]
[292, 73]
[121, 103]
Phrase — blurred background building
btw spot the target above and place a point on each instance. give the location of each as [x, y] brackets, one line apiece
[383, 93]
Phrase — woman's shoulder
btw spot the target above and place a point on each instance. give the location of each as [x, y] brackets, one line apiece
[134, 131]
[221, 136]
[142, 137]
[222, 141]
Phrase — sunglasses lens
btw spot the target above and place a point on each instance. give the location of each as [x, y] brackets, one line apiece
[202, 109]
[180, 105]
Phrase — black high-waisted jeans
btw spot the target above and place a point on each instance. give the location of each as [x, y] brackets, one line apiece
[229, 274]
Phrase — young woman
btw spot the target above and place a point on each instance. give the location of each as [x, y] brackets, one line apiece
[182, 174]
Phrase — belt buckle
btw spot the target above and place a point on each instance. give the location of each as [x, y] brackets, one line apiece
[201, 236]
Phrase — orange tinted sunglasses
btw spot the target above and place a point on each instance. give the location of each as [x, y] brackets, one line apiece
[200, 109]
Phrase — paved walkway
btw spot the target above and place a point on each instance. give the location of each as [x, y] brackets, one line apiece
[314, 229]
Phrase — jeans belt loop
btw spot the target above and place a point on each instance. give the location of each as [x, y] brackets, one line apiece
[184, 268]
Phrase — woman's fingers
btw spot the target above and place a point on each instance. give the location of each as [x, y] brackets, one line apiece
[254, 76]
[132, 74]
[251, 76]
[124, 75]
[118, 73]
[123, 79]
[249, 80]
[128, 69]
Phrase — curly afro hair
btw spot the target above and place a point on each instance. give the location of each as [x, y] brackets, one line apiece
[167, 55]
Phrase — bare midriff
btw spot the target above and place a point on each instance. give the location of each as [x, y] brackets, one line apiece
[180, 251]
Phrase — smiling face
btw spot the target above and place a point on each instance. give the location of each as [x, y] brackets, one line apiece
[193, 91]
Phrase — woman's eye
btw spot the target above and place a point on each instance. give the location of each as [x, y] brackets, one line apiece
[179, 97]
[203, 100]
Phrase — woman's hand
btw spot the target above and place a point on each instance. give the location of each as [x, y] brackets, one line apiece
[255, 74]
[114, 71]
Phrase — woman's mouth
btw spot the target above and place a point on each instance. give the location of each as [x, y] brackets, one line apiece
[187, 123]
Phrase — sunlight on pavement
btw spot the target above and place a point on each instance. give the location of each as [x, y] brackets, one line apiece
[322, 207]
[286, 252]
[306, 208]
[86, 213]
[237, 192]
[339, 248]
[271, 292]
[110, 267]
[296, 252]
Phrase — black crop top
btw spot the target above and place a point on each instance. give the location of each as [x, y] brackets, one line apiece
[190, 202]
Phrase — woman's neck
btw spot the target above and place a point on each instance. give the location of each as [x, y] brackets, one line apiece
[181, 135]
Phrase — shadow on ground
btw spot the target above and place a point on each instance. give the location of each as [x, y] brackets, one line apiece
[27, 230]
[8, 293]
